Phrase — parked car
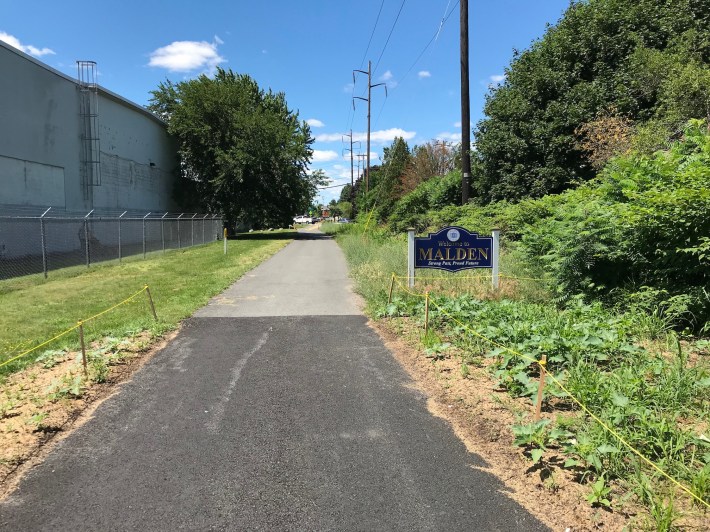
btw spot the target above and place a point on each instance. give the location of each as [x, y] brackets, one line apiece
[343, 221]
[303, 219]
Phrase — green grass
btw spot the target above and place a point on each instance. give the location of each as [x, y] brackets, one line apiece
[618, 364]
[36, 309]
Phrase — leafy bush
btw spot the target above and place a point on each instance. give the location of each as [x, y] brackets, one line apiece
[432, 195]
[642, 225]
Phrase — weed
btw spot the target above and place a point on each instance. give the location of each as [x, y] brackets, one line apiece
[36, 421]
[67, 386]
[600, 493]
[51, 358]
[533, 436]
[99, 370]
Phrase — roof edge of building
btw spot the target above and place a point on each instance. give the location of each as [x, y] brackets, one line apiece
[114, 96]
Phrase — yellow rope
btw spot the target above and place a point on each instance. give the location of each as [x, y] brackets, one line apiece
[38, 346]
[116, 305]
[73, 328]
[438, 278]
[483, 276]
[577, 401]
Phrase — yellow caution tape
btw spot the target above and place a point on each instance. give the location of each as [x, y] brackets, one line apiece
[81, 322]
[564, 388]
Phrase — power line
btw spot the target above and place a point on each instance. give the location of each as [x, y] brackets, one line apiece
[333, 186]
[362, 62]
[351, 112]
[438, 31]
[434, 37]
[390, 35]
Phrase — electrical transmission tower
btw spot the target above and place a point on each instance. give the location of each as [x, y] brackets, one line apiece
[370, 86]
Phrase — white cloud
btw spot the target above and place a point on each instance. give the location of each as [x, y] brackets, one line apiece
[217, 40]
[451, 137]
[314, 122]
[457, 124]
[349, 87]
[424, 74]
[322, 156]
[186, 56]
[381, 136]
[497, 78]
[27, 48]
[342, 172]
[387, 78]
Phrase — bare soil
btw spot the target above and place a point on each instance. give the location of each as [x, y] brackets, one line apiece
[481, 416]
[41, 405]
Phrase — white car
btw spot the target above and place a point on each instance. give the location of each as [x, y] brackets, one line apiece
[303, 219]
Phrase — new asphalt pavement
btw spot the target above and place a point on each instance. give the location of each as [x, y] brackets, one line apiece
[275, 408]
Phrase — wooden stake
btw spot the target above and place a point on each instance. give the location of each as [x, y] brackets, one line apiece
[389, 299]
[426, 314]
[540, 387]
[150, 300]
[83, 348]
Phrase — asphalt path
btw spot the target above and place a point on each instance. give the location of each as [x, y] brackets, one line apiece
[275, 408]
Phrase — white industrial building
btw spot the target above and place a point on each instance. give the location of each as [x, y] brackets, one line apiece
[74, 146]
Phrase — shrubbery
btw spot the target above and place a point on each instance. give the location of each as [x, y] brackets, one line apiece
[638, 236]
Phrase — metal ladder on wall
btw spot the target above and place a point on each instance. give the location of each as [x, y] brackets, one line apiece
[89, 117]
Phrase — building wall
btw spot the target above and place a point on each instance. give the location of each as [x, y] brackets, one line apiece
[41, 146]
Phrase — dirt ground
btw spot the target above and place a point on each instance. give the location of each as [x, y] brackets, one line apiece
[481, 415]
[42, 404]
[38, 408]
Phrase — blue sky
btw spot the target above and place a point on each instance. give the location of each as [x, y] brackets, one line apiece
[305, 48]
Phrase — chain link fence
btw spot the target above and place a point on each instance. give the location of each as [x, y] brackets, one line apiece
[38, 244]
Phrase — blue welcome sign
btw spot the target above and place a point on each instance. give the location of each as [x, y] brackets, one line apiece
[453, 249]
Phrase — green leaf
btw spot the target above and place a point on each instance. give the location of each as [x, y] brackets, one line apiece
[571, 462]
[536, 454]
[619, 400]
[606, 449]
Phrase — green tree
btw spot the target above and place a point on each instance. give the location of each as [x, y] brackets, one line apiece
[645, 59]
[384, 184]
[243, 152]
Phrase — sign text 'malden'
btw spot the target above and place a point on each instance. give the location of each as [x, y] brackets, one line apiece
[454, 254]
[452, 249]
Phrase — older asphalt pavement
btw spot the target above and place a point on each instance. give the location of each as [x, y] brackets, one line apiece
[275, 408]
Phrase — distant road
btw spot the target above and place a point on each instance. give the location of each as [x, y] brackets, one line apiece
[275, 408]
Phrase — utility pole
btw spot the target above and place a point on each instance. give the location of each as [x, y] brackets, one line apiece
[352, 180]
[369, 105]
[465, 107]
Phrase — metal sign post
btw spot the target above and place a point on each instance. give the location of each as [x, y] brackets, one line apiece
[410, 257]
[495, 277]
[454, 249]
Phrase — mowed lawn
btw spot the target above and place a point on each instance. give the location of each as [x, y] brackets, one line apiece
[35, 309]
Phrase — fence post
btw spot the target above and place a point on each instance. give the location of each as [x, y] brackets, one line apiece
[203, 227]
[224, 237]
[83, 348]
[120, 255]
[86, 236]
[495, 277]
[426, 314]
[146, 216]
[44, 243]
[179, 240]
[410, 257]
[152, 305]
[162, 230]
[192, 229]
[540, 387]
[389, 298]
